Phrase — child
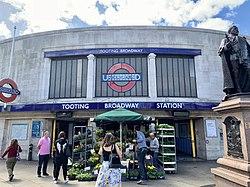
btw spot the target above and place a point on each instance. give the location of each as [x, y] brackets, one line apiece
[11, 158]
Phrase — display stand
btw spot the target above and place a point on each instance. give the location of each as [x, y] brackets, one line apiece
[82, 144]
[167, 150]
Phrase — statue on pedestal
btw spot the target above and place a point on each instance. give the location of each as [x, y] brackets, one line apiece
[235, 54]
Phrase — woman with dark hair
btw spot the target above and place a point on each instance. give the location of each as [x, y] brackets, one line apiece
[108, 176]
[11, 160]
[61, 157]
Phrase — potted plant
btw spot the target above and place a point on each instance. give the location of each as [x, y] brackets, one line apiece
[93, 161]
[86, 176]
[152, 172]
[96, 147]
[160, 173]
[124, 177]
[78, 165]
[133, 174]
[73, 172]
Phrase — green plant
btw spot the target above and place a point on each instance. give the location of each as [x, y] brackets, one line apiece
[74, 171]
[77, 149]
[151, 172]
[167, 126]
[93, 161]
[133, 173]
[78, 165]
[85, 176]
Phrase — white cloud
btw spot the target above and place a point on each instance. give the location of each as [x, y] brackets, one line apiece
[216, 24]
[47, 15]
[4, 31]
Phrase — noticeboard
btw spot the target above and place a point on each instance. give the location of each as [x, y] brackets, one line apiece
[211, 128]
[19, 131]
[36, 129]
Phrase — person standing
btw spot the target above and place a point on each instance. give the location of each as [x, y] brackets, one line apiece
[12, 150]
[43, 154]
[154, 148]
[61, 157]
[141, 153]
[108, 176]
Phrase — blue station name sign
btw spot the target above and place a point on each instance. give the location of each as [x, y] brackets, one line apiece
[122, 51]
[114, 105]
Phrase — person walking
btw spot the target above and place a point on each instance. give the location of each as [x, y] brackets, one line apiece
[154, 148]
[12, 151]
[141, 153]
[43, 154]
[108, 176]
[61, 157]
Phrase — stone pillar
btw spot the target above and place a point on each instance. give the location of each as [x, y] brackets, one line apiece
[234, 169]
[152, 88]
[91, 76]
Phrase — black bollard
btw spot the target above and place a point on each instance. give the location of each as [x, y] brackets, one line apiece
[30, 152]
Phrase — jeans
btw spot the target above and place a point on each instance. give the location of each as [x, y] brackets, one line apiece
[43, 160]
[155, 158]
[141, 156]
[10, 164]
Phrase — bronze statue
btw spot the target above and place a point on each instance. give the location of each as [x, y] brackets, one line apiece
[235, 54]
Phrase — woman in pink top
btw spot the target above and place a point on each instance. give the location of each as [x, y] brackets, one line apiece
[44, 151]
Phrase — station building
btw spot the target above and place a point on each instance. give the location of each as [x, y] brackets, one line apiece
[60, 79]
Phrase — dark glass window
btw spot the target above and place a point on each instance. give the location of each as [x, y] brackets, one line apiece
[68, 78]
[175, 76]
[119, 85]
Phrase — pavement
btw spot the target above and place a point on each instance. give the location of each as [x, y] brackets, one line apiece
[189, 174]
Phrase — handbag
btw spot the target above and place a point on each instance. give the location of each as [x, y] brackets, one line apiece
[114, 160]
[18, 158]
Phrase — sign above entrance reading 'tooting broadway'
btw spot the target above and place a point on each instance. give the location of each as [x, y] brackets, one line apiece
[114, 105]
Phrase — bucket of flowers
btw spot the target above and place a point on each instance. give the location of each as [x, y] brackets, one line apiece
[152, 172]
[96, 169]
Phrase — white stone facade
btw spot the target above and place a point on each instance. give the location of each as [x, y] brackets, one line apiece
[31, 71]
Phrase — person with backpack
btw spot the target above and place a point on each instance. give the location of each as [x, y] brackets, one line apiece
[61, 157]
[13, 155]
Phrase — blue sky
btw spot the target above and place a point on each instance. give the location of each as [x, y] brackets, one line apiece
[31, 16]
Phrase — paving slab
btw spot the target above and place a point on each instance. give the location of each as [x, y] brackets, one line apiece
[189, 174]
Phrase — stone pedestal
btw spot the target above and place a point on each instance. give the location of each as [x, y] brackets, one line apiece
[234, 169]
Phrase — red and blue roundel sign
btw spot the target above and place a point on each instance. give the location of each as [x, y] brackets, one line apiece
[121, 77]
[8, 90]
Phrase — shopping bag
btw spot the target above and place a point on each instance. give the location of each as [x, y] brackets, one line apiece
[114, 160]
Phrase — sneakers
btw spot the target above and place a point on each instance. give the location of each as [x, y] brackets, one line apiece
[39, 175]
[65, 181]
[141, 182]
[11, 177]
[55, 181]
[45, 174]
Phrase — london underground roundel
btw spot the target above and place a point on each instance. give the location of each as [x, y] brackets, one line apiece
[121, 82]
[8, 90]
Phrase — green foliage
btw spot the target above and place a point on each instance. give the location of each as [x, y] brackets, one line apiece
[167, 126]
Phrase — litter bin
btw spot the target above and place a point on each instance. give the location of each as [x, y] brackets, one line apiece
[30, 152]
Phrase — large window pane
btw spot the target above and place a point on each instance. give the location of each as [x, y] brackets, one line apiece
[175, 76]
[68, 78]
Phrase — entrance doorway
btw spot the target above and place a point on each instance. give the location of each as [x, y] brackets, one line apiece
[67, 125]
[183, 140]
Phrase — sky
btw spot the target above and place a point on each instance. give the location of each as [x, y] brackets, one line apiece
[32, 16]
